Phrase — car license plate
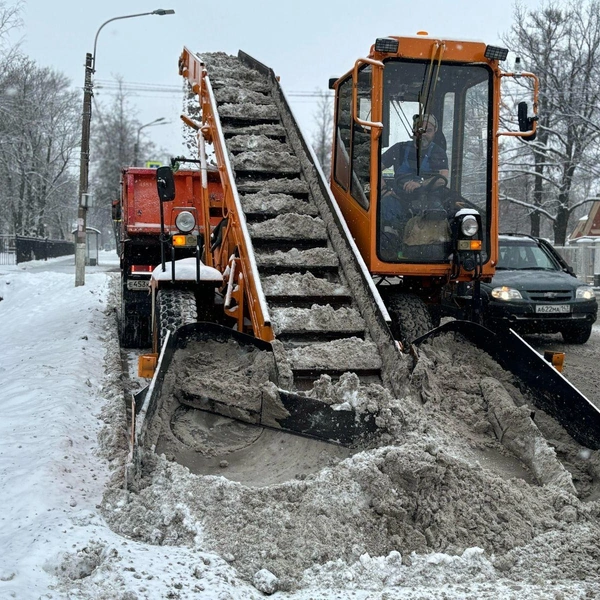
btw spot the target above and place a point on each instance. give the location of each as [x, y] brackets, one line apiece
[138, 284]
[552, 308]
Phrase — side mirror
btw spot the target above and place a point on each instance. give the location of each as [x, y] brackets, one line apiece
[525, 122]
[332, 81]
[165, 184]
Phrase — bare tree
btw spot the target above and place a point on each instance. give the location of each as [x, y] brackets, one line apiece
[323, 135]
[38, 133]
[114, 137]
[10, 19]
[38, 137]
[561, 44]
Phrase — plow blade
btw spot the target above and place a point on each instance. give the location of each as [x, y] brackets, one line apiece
[550, 390]
[219, 370]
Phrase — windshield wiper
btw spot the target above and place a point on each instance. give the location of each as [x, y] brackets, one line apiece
[426, 95]
[535, 269]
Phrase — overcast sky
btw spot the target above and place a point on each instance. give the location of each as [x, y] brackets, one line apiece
[305, 42]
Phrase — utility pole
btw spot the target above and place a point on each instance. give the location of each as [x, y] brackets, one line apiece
[90, 68]
[84, 165]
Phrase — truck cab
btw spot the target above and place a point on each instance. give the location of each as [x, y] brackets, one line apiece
[415, 161]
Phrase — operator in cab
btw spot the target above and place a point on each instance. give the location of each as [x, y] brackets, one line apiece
[412, 203]
[403, 157]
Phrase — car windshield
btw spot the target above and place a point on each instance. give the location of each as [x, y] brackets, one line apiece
[525, 255]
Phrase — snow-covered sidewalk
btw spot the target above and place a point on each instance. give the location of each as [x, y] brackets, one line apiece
[51, 377]
[54, 385]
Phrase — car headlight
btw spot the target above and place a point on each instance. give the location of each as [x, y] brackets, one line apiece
[585, 292]
[469, 226]
[185, 221]
[506, 293]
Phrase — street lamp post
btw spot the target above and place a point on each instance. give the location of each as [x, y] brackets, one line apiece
[90, 67]
[136, 147]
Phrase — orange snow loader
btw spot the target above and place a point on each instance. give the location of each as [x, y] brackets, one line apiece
[325, 281]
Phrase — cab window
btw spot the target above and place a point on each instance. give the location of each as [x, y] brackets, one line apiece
[343, 134]
[361, 142]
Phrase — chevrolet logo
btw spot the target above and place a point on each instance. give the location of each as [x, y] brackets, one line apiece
[551, 294]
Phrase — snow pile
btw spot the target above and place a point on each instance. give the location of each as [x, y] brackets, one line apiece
[295, 226]
[269, 162]
[306, 284]
[272, 204]
[250, 143]
[316, 318]
[440, 510]
[413, 498]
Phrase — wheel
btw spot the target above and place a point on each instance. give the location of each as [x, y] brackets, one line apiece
[410, 317]
[134, 319]
[175, 308]
[134, 331]
[402, 180]
[577, 335]
[433, 179]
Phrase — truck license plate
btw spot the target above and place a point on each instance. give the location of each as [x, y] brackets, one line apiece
[553, 308]
[138, 284]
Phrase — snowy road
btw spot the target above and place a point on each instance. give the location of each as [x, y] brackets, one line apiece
[581, 361]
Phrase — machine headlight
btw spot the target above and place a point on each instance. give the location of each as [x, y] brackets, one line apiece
[185, 221]
[469, 226]
[506, 293]
[585, 292]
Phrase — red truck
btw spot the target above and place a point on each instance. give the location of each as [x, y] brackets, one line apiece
[137, 218]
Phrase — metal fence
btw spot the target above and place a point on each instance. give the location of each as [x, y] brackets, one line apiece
[585, 260]
[28, 248]
[583, 257]
[8, 252]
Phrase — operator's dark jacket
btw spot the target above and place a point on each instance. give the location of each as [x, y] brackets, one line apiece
[403, 157]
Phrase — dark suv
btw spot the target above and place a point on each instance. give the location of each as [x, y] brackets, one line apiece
[535, 291]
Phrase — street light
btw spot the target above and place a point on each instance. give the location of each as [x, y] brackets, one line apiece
[90, 68]
[159, 121]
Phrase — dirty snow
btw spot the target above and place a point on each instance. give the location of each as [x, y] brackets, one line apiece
[269, 204]
[423, 516]
[275, 186]
[317, 318]
[315, 257]
[301, 285]
[291, 225]
[269, 162]
[252, 143]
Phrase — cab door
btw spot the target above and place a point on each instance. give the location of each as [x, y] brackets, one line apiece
[355, 163]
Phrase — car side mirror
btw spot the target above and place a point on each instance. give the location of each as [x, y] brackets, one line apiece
[569, 270]
[165, 184]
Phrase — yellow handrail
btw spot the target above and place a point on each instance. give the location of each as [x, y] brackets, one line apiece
[193, 69]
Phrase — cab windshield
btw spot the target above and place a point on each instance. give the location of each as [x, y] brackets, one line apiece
[434, 156]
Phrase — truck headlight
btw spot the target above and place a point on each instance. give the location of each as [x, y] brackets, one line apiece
[506, 293]
[185, 221]
[585, 292]
[469, 226]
